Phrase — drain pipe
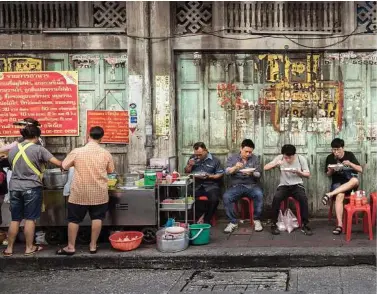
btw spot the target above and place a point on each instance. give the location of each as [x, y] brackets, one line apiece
[148, 85]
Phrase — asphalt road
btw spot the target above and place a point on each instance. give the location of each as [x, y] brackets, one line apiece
[360, 280]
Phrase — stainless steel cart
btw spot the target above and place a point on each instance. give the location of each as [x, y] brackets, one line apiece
[183, 184]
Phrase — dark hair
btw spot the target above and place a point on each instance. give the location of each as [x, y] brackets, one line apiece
[247, 143]
[198, 145]
[30, 132]
[96, 133]
[337, 143]
[288, 150]
[32, 121]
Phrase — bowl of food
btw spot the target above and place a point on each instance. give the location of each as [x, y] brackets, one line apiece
[247, 170]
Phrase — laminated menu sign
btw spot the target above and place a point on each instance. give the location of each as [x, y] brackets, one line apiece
[51, 97]
[114, 123]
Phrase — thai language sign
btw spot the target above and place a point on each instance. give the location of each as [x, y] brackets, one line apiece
[49, 97]
[114, 123]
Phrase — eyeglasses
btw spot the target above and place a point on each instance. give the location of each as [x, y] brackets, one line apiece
[336, 149]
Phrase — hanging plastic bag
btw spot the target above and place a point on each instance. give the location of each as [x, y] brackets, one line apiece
[280, 224]
[290, 220]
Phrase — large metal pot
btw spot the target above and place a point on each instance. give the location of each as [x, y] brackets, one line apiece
[55, 178]
[167, 242]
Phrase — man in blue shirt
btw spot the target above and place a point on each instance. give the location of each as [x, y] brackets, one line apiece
[244, 171]
[207, 171]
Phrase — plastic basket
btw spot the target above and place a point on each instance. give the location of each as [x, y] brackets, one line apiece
[126, 245]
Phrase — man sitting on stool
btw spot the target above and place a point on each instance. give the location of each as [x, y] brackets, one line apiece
[343, 180]
[293, 168]
[207, 172]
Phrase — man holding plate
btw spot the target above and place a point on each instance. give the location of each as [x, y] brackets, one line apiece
[293, 167]
[343, 168]
[244, 171]
[208, 172]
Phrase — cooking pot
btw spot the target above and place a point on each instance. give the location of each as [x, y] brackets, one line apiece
[167, 242]
[55, 178]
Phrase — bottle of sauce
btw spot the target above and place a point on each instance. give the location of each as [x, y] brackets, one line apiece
[352, 198]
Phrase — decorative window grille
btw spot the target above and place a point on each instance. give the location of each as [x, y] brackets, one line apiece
[367, 16]
[263, 16]
[32, 17]
[109, 14]
[193, 17]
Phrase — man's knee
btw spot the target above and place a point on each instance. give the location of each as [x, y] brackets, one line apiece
[339, 197]
[354, 181]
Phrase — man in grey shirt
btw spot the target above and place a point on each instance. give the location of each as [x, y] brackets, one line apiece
[244, 171]
[293, 168]
[25, 187]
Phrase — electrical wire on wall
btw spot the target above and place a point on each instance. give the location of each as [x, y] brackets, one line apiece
[258, 36]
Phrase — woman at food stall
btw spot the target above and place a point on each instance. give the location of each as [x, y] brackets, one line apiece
[25, 187]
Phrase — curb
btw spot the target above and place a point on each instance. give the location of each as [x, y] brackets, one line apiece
[212, 258]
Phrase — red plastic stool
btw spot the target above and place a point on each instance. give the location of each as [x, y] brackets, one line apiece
[205, 198]
[285, 204]
[250, 203]
[367, 220]
[373, 206]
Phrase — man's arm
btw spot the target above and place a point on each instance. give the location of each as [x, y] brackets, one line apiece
[189, 165]
[353, 163]
[55, 161]
[219, 172]
[274, 163]
[46, 156]
[69, 160]
[304, 172]
[110, 165]
[232, 165]
[8, 147]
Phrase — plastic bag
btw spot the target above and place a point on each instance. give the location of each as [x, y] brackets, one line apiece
[290, 220]
[281, 224]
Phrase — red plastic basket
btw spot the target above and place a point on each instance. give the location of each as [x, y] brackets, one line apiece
[126, 245]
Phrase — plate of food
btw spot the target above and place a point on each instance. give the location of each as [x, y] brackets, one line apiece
[336, 167]
[289, 169]
[247, 170]
[199, 174]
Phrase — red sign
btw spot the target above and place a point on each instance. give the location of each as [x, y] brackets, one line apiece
[49, 97]
[114, 123]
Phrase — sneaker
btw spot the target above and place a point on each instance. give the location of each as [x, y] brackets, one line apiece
[306, 230]
[258, 226]
[230, 228]
[275, 230]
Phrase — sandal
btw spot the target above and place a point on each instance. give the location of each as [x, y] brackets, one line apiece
[7, 254]
[37, 249]
[325, 199]
[61, 251]
[338, 230]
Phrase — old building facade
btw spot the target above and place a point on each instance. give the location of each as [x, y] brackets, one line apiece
[218, 72]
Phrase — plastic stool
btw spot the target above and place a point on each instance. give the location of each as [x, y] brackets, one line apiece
[367, 220]
[205, 198]
[373, 206]
[285, 204]
[250, 203]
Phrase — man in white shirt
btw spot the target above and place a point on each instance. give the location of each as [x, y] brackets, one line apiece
[293, 168]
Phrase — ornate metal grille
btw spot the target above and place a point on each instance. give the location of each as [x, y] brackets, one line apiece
[32, 17]
[109, 14]
[262, 16]
[193, 17]
[367, 16]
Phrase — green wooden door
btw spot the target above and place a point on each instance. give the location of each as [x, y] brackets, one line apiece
[102, 85]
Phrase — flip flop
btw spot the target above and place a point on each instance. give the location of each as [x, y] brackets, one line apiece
[61, 251]
[37, 249]
[325, 199]
[7, 254]
[93, 251]
[338, 230]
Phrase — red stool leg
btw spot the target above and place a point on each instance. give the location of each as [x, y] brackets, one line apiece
[213, 220]
[373, 207]
[236, 207]
[251, 211]
[349, 224]
[368, 214]
[298, 212]
[282, 206]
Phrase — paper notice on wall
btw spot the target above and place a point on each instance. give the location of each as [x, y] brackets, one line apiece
[135, 84]
[162, 117]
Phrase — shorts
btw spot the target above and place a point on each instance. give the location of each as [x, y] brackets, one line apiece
[77, 212]
[337, 185]
[26, 204]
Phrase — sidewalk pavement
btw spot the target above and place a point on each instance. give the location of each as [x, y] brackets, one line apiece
[243, 248]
